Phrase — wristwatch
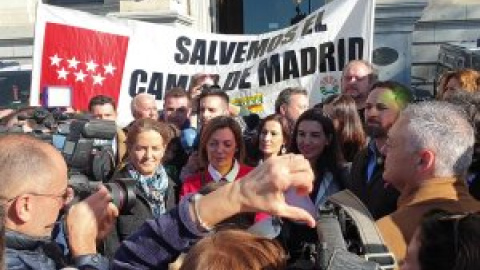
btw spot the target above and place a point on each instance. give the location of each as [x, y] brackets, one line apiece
[91, 261]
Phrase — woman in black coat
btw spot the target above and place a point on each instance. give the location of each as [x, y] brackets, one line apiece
[155, 192]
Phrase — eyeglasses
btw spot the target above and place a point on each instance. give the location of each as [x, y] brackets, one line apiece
[65, 198]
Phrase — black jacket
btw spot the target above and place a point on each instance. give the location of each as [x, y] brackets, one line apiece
[127, 223]
[378, 199]
[26, 252]
[474, 187]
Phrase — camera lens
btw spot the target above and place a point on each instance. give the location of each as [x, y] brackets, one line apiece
[123, 195]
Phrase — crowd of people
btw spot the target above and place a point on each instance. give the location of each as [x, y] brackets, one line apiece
[414, 165]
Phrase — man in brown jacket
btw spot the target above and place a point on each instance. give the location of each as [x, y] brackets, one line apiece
[428, 152]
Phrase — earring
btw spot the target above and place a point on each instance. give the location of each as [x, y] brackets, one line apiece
[283, 150]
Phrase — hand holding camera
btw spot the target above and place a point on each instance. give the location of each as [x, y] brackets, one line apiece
[90, 220]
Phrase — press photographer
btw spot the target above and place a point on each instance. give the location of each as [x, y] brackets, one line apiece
[86, 146]
[34, 189]
[104, 108]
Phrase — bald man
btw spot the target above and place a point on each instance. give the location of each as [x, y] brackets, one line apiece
[33, 190]
[144, 106]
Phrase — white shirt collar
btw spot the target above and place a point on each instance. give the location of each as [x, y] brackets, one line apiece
[230, 176]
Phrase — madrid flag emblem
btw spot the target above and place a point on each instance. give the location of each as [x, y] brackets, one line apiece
[89, 62]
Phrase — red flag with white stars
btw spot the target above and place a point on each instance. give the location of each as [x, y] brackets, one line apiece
[90, 62]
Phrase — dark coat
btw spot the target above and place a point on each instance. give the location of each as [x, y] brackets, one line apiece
[474, 187]
[24, 252]
[159, 242]
[127, 223]
[378, 199]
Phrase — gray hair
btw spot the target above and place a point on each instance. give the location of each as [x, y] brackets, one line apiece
[286, 94]
[444, 129]
[372, 77]
[133, 104]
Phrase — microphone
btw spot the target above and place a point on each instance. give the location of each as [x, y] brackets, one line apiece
[189, 139]
[330, 236]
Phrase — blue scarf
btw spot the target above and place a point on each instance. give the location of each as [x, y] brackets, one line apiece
[153, 188]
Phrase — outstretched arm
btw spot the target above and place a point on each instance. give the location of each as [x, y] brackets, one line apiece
[158, 242]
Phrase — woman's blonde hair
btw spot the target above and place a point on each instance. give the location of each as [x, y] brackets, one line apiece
[468, 79]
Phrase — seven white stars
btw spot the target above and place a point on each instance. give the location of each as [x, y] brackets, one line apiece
[72, 63]
[91, 66]
[62, 73]
[109, 68]
[80, 76]
[98, 79]
[55, 60]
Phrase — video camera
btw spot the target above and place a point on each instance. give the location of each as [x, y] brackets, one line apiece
[346, 237]
[189, 140]
[87, 147]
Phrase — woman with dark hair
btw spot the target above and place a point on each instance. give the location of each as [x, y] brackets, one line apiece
[445, 241]
[272, 140]
[155, 191]
[221, 152]
[348, 125]
[315, 138]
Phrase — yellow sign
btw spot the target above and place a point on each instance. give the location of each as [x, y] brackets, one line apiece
[253, 103]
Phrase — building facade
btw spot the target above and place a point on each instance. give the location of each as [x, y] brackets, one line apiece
[17, 19]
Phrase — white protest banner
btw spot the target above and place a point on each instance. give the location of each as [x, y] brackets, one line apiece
[121, 58]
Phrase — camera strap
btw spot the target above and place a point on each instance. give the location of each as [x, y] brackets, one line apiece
[375, 248]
